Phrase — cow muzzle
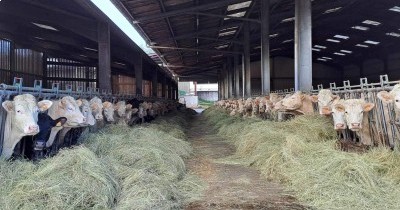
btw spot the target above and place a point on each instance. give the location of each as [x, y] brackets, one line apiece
[355, 126]
[31, 129]
[339, 126]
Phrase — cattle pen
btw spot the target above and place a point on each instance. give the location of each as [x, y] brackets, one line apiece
[199, 104]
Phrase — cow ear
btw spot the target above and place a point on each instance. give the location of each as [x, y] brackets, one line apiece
[385, 97]
[314, 98]
[339, 107]
[8, 106]
[302, 96]
[79, 102]
[44, 105]
[368, 107]
[60, 121]
[129, 106]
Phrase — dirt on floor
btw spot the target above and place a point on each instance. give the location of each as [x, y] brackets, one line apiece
[230, 186]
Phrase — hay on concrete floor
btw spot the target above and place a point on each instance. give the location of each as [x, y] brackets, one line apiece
[302, 154]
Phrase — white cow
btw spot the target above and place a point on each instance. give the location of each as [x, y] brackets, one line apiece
[21, 120]
[356, 116]
[325, 99]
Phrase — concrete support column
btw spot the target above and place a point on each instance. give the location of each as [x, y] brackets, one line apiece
[246, 52]
[138, 64]
[163, 86]
[265, 62]
[104, 76]
[230, 79]
[237, 73]
[303, 44]
[154, 82]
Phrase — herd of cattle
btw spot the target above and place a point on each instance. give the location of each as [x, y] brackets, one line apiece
[46, 126]
[359, 115]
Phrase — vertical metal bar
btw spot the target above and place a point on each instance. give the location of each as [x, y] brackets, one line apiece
[237, 72]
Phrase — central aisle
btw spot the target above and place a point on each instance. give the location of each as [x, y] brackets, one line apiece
[229, 186]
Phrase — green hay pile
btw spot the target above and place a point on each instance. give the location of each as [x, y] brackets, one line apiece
[302, 154]
[148, 162]
[74, 179]
[119, 167]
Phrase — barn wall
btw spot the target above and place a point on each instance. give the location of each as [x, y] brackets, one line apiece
[208, 95]
[282, 74]
[373, 68]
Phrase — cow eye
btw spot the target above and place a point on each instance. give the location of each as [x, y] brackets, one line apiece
[18, 111]
[345, 112]
[397, 100]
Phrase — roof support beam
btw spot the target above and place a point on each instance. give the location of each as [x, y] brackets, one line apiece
[226, 16]
[209, 6]
[194, 49]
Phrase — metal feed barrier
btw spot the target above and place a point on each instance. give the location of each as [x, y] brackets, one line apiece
[383, 125]
[7, 92]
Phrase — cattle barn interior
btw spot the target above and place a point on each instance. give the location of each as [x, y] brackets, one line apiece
[84, 67]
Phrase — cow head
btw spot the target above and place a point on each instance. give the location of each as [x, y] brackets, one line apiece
[120, 108]
[46, 123]
[22, 118]
[24, 113]
[337, 111]
[97, 108]
[87, 112]
[108, 109]
[68, 107]
[294, 101]
[324, 99]
[391, 97]
[354, 112]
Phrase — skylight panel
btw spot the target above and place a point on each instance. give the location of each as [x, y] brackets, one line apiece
[361, 28]
[45, 26]
[362, 45]
[321, 59]
[91, 49]
[320, 46]
[83, 56]
[341, 37]
[238, 14]
[395, 9]
[273, 35]
[287, 41]
[40, 38]
[332, 10]
[315, 49]
[226, 33]
[337, 53]
[222, 46]
[327, 58]
[371, 22]
[287, 20]
[118, 63]
[239, 5]
[371, 42]
[333, 40]
[393, 34]
[346, 51]
[276, 49]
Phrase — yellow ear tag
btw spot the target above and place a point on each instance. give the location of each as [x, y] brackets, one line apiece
[58, 124]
